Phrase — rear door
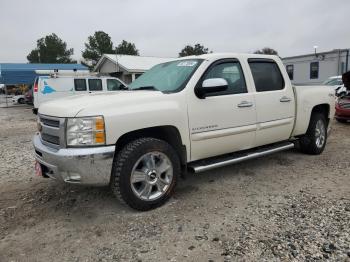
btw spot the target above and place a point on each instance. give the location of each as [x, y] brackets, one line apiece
[275, 104]
[225, 121]
[53, 88]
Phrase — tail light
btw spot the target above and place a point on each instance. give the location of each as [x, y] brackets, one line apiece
[36, 87]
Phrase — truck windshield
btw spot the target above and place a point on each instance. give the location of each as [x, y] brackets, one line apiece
[167, 77]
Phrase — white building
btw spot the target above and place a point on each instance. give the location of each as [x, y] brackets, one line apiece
[127, 67]
[313, 69]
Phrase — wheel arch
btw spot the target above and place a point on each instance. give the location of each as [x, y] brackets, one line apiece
[168, 133]
[323, 109]
[304, 116]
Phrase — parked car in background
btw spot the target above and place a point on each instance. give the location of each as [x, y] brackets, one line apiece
[61, 84]
[191, 114]
[333, 81]
[337, 83]
[18, 99]
[342, 109]
[28, 96]
[342, 106]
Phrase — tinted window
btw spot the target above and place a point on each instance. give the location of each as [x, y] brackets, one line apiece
[79, 84]
[314, 70]
[232, 73]
[95, 84]
[114, 85]
[267, 76]
[290, 71]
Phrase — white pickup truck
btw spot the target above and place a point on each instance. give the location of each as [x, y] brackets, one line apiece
[195, 113]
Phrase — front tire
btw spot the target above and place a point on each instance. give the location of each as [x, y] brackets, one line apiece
[145, 173]
[314, 141]
[21, 101]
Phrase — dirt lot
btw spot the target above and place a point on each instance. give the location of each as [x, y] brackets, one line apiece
[287, 206]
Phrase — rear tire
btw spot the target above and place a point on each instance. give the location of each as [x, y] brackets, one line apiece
[21, 101]
[145, 173]
[314, 141]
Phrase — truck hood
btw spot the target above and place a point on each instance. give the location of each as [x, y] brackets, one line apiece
[95, 103]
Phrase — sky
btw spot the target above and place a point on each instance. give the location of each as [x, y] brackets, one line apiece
[163, 27]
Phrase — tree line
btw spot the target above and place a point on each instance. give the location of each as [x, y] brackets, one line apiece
[52, 49]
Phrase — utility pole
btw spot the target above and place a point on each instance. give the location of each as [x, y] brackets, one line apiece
[116, 65]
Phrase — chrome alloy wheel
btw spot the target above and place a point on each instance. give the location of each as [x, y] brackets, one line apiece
[151, 176]
[320, 133]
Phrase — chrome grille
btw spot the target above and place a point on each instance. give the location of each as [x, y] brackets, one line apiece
[52, 131]
[50, 122]
[345, 105]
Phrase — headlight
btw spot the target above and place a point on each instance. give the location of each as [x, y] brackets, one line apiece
[86, 131]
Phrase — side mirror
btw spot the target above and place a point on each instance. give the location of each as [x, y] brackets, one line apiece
[211, 85]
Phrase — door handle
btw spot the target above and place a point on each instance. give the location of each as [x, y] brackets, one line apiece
[245, 104]
[285, 99]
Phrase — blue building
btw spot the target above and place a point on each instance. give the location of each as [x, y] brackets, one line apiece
[16, 74]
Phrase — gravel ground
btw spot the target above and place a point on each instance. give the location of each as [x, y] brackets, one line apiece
[285, 207]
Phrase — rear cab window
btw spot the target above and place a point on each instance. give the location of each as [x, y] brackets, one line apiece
[266, 74]
[80, 85]
[95, 84]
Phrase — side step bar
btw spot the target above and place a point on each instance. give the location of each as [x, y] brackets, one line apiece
[204, 165]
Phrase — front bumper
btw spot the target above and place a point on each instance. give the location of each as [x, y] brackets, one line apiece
[89, 166]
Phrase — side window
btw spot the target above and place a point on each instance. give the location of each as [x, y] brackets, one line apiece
[232, 73]
[267, 76]
[114, 85]
[314, 66]
[95, 85]
[290, 71]
[79, 85]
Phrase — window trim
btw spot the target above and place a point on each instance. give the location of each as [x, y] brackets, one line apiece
[98, 79]
[86, 89]
[218, 62]
[318, 69]
[266, 60]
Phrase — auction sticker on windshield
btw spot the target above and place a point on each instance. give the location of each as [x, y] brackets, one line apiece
[187, 63]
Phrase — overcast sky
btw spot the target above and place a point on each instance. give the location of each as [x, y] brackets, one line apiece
[164, 27]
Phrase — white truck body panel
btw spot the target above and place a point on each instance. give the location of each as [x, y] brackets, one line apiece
[306, 98]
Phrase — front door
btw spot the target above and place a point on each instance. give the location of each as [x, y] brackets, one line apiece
[225, 121]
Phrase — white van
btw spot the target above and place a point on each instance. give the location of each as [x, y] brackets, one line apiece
[56, 86]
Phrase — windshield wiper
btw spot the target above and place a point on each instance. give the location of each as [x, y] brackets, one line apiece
[146, 88]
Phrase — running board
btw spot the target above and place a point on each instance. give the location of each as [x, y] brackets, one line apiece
[204, 165]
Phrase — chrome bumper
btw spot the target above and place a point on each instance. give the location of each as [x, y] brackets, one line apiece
[89, 166]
